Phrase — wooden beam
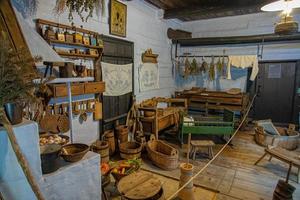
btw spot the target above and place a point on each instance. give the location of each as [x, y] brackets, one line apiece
[237, 40]
[207, 12]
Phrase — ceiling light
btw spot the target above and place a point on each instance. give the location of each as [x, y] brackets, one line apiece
[282, 5]
[287, 25]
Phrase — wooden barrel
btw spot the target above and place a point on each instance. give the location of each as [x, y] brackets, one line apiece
[130, 150]
[102, 148]
[283, 191]
[141, 139]
[186, 173]
[122, 133]
[110, 138]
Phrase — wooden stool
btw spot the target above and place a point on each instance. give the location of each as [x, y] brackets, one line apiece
[197, 144]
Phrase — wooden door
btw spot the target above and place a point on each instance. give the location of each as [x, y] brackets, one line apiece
[275, 88]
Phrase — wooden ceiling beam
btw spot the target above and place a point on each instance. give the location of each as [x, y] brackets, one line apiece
[210, 12]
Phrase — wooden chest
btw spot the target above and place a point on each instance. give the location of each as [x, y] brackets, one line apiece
[215, 100]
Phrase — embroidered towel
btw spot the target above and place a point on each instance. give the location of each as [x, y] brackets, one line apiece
[117, 78]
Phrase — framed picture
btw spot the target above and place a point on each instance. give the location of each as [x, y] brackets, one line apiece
[118, 18]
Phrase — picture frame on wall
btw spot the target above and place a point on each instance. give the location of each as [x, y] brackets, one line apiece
[118, 18]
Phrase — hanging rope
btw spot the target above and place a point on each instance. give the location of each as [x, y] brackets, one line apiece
[207, 164]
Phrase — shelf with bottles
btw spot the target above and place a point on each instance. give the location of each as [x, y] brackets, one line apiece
[61, 34]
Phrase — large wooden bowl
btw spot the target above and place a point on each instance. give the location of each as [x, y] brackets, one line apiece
[74, 152]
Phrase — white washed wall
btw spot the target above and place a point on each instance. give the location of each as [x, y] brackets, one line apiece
[144, 27]
[253, 24]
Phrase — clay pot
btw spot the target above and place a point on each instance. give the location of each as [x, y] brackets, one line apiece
[186, 173]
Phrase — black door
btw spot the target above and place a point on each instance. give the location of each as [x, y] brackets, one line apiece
[275, 88]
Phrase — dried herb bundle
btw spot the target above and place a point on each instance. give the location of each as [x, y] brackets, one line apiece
[81, 7]
[204, 66]
[16, 74]
[211, 71]
[187, 68]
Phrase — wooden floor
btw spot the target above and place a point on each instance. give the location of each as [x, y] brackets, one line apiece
[234, 174]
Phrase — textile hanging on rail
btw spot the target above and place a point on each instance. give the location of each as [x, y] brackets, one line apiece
[148, 76]
[243, 62]
[117, 78]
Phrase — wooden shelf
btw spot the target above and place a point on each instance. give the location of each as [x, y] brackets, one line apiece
[74, 44]
[77, 55]
[66, 80]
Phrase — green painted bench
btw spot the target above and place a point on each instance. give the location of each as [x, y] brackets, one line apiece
[209, 125]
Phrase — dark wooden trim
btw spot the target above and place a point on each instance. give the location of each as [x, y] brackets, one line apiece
[13, 27]
[237, 40]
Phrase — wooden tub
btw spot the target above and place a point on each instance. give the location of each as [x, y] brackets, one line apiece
[287, 139]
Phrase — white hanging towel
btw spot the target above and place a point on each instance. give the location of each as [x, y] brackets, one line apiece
[243, 62]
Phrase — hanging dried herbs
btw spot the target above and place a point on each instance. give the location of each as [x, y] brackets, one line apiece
[194, 66]
[84, 8]
[16, 74]
[219, 66]
[187, 68]
[204, 66]
[211, 71]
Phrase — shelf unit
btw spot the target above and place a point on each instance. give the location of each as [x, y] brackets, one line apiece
[74, 44]
[40, 23]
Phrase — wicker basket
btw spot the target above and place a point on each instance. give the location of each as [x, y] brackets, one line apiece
[162, 154]
[130, 150]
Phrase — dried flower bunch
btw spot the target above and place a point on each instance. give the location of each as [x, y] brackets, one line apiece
[16, 74]
[81, 7]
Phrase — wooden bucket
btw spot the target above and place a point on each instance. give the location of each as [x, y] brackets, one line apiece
[122, 133]
[102, 148]
[130, 150]
[110, 138]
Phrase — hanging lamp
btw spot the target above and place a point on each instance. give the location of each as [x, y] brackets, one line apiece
[287, 25]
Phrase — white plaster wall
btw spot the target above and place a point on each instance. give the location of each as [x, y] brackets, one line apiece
[145, 27]
[252, 24]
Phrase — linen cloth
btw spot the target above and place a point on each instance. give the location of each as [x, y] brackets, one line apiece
[148, 77]
[243, 62]
[117, 78]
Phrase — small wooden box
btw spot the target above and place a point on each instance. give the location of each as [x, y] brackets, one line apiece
[77, 38]
[93, 52]
[60, 37]
[93, 41]
[49, 34]
[86, 40]
[61, 90]
[69, 37]
[94, 87]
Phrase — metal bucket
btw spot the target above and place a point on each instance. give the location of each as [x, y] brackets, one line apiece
[50, 158]
[14, 113]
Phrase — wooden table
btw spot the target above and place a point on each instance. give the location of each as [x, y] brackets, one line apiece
[290, 157]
